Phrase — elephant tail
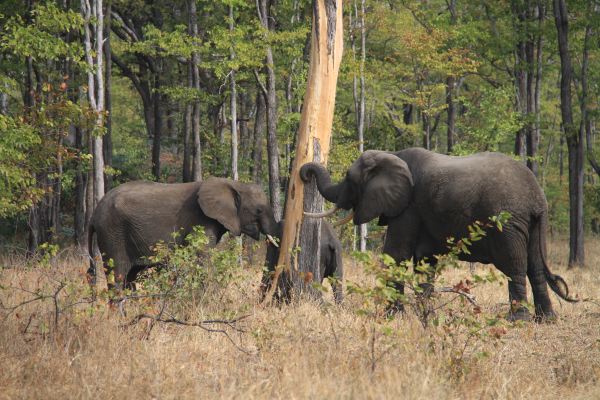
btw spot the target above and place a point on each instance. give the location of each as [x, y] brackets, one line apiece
[556, 282]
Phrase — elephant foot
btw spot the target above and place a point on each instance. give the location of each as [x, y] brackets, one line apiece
[547, 317]
[519, 314]
[394, 309]
[427, 288]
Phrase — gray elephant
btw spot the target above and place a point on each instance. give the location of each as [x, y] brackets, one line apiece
[331, 264]
[424, 198]
[136, 215]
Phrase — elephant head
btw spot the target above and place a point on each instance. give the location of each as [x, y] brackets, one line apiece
[377, 184]
[239, 207]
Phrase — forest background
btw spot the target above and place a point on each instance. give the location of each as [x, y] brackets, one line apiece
[191, 89]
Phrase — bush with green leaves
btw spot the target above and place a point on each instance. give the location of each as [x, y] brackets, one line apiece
[456, 323]
[186, 273]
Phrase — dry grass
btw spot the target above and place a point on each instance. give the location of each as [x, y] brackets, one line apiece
[304, 350]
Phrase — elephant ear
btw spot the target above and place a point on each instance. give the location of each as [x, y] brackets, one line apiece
[386, 184]
[219, 200]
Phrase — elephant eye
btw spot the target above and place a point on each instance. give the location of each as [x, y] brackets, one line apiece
[258, 211]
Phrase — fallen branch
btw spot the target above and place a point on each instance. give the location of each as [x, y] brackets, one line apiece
[230, 323]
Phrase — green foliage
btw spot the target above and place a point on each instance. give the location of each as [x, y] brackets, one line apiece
[41, 39]
[188, 271]
[17, 180]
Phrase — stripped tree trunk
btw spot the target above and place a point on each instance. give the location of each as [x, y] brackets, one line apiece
[312, 145]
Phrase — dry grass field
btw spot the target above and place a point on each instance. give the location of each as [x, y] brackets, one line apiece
[302, 350]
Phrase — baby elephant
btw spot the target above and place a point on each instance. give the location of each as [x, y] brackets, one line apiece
[330, 262]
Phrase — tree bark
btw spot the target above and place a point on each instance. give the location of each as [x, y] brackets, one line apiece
[574, 139]
[313, 143]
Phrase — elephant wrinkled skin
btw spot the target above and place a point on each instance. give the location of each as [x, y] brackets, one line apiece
[424, 198]
[134, 216]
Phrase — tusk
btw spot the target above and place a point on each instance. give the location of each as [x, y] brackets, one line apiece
[323, 214]
[345, 220]
[272, 240]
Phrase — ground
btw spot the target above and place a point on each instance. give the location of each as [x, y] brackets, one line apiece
[303, 350]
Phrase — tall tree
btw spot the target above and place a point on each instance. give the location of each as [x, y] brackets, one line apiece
[313, 142]
[270, 93]
[573, 136]
[94, 16]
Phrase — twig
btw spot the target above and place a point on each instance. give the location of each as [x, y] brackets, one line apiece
[200, 324]
[468, 296]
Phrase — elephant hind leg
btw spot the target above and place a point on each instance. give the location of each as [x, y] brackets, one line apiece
[537, 277]
[510, 257]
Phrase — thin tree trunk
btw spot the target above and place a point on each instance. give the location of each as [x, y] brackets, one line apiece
[574, 139]
[259, 127]
[197, 153]
[450, 84]
[313, 144]
[361, 115]
[80, 186]
[107, 139]
[271, 106]
[158, 122]
[233, 106]
[187, 132]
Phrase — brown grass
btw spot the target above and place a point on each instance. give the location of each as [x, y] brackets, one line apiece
[303, 350]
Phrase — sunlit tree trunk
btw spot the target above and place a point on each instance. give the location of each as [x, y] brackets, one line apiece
[312, 145]
[233, 106]
[95, 86]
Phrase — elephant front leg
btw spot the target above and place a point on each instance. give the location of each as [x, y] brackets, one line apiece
[400, 243]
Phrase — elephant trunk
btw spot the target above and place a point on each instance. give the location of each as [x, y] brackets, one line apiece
[328, 190]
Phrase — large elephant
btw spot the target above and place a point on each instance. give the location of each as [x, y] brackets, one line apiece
[424, 198]
[133, 217]
[330, 264]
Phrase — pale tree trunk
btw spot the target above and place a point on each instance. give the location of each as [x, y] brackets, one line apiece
[95, 87]
[361, 110]
[586, 121]
[574, 139]
[359, 97]
[270, 92]
[312, 145]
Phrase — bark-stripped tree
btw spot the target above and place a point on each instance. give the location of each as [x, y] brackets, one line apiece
[312, 145]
